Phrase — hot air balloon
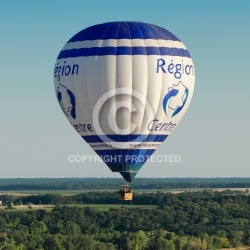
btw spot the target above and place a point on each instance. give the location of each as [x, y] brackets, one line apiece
[124, 87]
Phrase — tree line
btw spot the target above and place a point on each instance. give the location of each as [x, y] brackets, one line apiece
[185, 221]
[113, 183]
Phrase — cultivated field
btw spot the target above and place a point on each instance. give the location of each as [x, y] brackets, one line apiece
[102, 207]
[74, 192]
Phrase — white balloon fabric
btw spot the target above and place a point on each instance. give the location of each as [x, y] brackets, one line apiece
[124, 87]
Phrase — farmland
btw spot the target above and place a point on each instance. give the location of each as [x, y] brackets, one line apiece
[198, 217]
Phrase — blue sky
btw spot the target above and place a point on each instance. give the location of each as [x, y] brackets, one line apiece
[213, 139]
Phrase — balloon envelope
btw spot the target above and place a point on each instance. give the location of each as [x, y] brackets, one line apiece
[124, 87]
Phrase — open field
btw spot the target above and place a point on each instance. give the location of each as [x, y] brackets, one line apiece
[140, 191]
[101, 207]
[106, 207]
[27, 208]
[42, 192]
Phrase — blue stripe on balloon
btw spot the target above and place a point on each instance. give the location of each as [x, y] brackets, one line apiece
[124, 138]
[123, 50]
[128, 163]
[124, 159]
[142, 153]
[123, 30]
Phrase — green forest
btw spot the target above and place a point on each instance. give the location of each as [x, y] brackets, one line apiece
[113, 183]
[184, 221]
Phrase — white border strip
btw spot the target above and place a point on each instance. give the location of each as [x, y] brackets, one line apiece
[124, 42]
[124, 145]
